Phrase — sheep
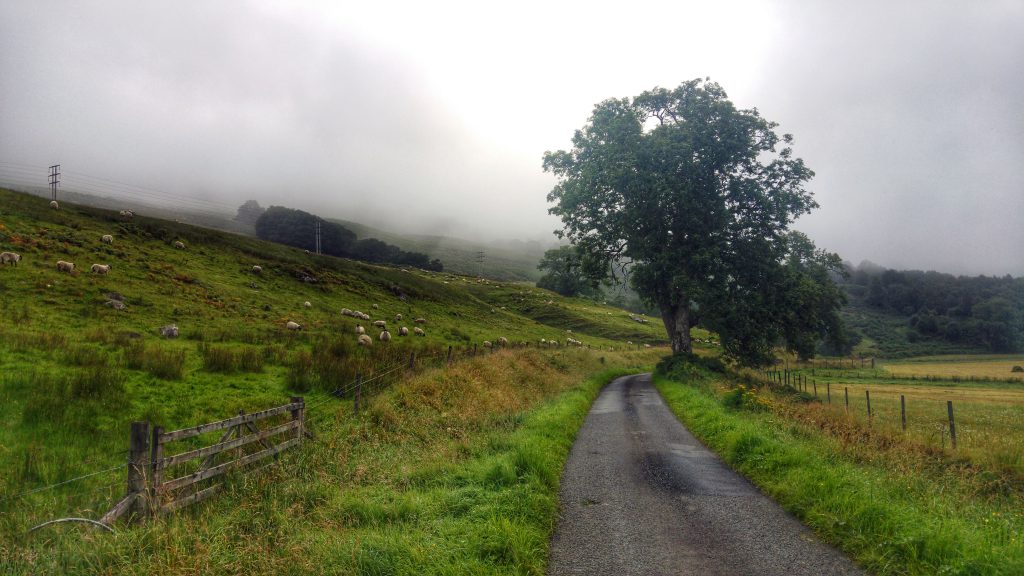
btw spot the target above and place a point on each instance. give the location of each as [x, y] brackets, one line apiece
[54, 205]
[9, 258]
[398, 317]
[487, 344]
[375, 307]
[380, 324]
[647, 345]
[100, 268]
[419, 331]
[126, 214]
[169, 331]
[115, 304]
[502, 341]
[420, 320]
[307, 304]
[107, 239]
[63, 266]
[385, 336]
[360, 329]
[346, 312]
[293, 325]
[365, 340]
[257, 269]
[403, 331]
[179, 244]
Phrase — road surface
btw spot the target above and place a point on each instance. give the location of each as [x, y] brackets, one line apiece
[640, 495]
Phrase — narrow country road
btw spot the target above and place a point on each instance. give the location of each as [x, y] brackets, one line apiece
[640, 495]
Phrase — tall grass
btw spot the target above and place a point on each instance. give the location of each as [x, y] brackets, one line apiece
[160, 361]
[230, 359]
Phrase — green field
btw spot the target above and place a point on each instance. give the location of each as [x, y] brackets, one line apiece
[76, 371]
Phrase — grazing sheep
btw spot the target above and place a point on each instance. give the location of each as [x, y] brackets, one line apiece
[487, 344]
[365, 340]
[647, 345]
[179, 244]
[100, 268]
[54, 205]
[115, 304]
[293, 325]
[360, 329]
[502, 341]
[107, 239]
[307, 304]
[257, 269]
[169, 331]
[126, 214]
[346, 312]
[63, 266]
[398, 317]
[375, 307]
[385, 336]
[629, 342]
[364, 316]
[420, 320]
[419, 331]
[9, 258]
[403, 331]
[380, 324]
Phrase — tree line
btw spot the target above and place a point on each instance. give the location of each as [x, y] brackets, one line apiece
[977, 312]
[298, 228]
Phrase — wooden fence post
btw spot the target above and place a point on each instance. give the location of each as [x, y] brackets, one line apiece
[412, 361]
[815, 384]
[952, 424]
[449, 360]
[300, 415]
[846, 393]
[359, 391]
[872, 363]
[138, 457]
[828, 391]
[156, 471]
[903, 411]
[867, 395]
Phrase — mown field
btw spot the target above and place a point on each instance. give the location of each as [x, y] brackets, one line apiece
[76, 371]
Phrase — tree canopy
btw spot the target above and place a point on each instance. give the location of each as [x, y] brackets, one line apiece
[694, 199]
[566, 273]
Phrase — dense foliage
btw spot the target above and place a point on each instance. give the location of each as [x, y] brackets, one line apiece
[975, 313]
[565, 273]
[298, 228]
[694, 199]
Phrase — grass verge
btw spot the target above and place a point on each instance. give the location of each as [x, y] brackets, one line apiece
[894, 510]
[452, 471]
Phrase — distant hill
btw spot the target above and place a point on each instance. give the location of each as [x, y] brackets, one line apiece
[502, 260]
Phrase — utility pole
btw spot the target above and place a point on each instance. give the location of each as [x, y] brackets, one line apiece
[480, 261]
[54, 180]
[318, 237]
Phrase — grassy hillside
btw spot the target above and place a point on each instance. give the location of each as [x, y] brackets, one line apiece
[75, 371]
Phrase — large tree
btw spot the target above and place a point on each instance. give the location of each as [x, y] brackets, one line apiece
[566, 273]
[694, 198]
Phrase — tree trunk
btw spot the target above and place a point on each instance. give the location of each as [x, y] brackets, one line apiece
[677, 323]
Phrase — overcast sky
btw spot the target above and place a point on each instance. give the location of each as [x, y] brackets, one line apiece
[434, 116]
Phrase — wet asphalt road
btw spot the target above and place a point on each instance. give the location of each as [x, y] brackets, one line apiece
[640, 495]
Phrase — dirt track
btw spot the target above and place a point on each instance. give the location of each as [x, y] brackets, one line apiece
[640, 495]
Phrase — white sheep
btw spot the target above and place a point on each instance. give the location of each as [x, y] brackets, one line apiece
[169, 331]
[419, 331]
[398, 317]
[257, 269]
[54, 205]
[380, 324]
[179, 244]
[346, 312]
[63, 266]
[375, 307]
[385, 336]
[487, 344]
[107, 239]
[420, 320]
[100, 268]
[365, 340]
[360, 329]
[126, 214]
[403, 331]
[293, 325]
[9, 258]
[502, 341]
[307, 304]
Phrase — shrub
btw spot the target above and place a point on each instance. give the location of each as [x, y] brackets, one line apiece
[167, 364]
[1017, 369]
